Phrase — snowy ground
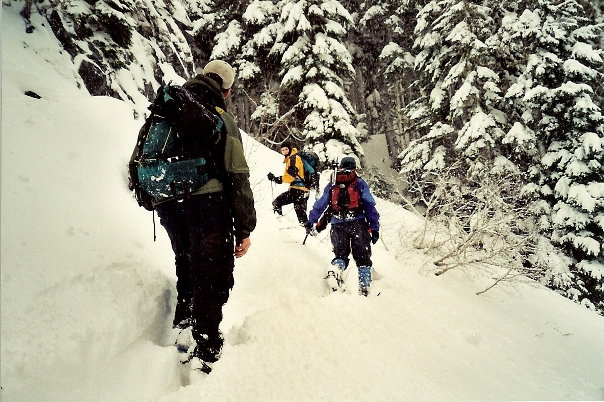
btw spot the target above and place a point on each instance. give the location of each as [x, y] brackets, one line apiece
[87, 296]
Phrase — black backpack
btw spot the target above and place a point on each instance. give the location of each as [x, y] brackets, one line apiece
[173, 156]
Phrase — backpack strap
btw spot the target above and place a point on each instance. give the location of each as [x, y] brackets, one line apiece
[292, 166]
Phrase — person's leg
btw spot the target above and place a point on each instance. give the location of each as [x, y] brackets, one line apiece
[280, 201]
[300, 204]
[212, 264]
[172, 219]
[340, 241]
[361, 252]
[360, 241]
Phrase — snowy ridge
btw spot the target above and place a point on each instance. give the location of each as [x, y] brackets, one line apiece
[87, 296]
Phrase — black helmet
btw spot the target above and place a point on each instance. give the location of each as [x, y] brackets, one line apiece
[348, 163]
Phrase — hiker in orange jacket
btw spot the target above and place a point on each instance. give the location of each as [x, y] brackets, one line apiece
[293, 174]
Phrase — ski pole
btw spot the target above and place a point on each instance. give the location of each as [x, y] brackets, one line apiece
[384, 243]
[305, 237]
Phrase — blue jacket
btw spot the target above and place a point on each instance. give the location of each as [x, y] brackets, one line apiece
[371, 214]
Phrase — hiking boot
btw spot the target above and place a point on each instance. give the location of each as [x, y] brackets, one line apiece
[199, 365]
[278, 210]
[364, 280]
[340, 263]
[332, 281]
[182, 324]
[209, 349]
[339, 266]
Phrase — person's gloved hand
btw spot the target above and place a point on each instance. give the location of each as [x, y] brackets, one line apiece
[321, 225]
[375, 235]
[308, 226]
[276, 179]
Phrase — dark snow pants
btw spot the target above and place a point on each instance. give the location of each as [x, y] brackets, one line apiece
[352, 236]
[201, 231]
[293, 196]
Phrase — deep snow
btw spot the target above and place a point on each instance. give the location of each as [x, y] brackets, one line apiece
[87, 296]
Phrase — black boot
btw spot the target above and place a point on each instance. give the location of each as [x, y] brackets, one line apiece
[182, 314]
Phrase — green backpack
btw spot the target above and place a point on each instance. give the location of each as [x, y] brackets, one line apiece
[173, 155]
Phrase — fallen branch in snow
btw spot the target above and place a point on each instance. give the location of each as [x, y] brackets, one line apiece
[511, 273]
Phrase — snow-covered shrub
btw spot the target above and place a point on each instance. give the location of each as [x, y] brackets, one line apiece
[478, 224]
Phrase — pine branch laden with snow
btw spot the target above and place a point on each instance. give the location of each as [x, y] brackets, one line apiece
[543, 117]
[302, 41]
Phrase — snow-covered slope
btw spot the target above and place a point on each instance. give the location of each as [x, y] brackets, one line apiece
[87, 296]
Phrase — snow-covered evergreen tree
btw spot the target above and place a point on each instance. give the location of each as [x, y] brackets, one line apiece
[384, 33]
[560, 117]
[315, 64]
[216, 29]
[458, 114]
[258, 68]
[260, 30]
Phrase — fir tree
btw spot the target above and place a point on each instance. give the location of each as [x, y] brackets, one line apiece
[258, 68]
[216, 28]
[384, 32]
[558, 108]
[315, 64]
[458, 113]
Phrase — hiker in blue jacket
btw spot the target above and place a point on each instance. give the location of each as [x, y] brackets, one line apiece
[354, 221]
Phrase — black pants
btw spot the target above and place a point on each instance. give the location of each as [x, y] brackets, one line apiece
[352, 236]
[293, 196]
[201, 231]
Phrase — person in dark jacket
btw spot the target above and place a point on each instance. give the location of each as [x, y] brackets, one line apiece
[210, 227]
[354, 222]
[297, 193]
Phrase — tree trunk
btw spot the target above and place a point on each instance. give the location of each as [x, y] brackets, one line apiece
[26, 12]
[392, 134]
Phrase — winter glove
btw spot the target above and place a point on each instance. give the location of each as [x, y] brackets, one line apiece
[321, 225]
[375, 235]
[308, 227]
[276, 179]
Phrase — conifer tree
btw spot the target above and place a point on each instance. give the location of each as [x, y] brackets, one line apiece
[216, 27]
[258, 68]
[384, 33]
[559, 114]
[315, 64]
[458, 112]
